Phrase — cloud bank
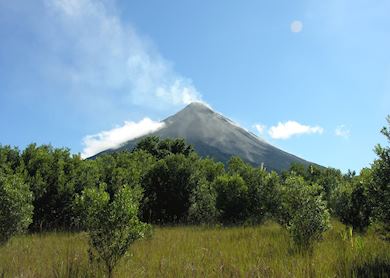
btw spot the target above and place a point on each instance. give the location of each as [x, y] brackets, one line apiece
[292, 128]
[113, 138]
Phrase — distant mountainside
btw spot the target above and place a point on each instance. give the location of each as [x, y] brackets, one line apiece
[213, 135]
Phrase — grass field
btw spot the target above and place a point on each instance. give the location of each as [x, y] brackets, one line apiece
[262, 251]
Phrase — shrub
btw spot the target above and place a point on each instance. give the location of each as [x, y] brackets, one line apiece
[293, 194]
[351, 201]
[380, 188]
[308, 223]
[203, 204]
[15, 206]
[303, 212]
[232, 198]
[112, 224]
[167, 189]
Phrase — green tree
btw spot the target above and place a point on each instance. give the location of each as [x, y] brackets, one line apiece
[237, 166]
[203, 204]
[308, 223]
[86, 174]
[203, 197]
[208, 168]
[296, 169]
[294, 191]
[149, 144]
[15, 206]
[112, 223]
[232, 198]
[351, 202]
[328, 178]
[303, 211]
[51, 175]
[254, 179]
[264, 195]
[161, 148]
[167, 189]
[263, 190]
[10, 160]
[124, 168]
[380, 187]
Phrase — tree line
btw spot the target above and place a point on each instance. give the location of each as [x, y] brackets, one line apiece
[166, 182]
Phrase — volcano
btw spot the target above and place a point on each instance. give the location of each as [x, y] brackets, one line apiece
[214, 135]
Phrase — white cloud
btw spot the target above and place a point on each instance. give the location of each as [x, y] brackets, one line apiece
[260, 128]
[291, 128]
[342, 131]
[113, 138]
[296, 26]
[106, 60]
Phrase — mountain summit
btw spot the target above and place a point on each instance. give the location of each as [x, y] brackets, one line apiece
[214, 135]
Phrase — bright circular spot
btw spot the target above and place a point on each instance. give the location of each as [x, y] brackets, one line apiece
[296, 26]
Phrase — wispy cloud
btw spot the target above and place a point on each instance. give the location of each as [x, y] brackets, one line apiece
[103, 60]
[342, 131]
[260, 128]
[113, 138]
[296, 26]
[291, 128]
[106, 65]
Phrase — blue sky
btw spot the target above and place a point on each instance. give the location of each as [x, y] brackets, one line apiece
[311, 77]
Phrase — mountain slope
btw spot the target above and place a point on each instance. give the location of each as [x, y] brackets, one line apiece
[213, 135]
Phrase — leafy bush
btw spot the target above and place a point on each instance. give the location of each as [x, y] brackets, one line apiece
[203, 204]
[309, 222]
[51, 175]
[380, 188]
[232, 198]
[124, 168]
[112, 223]
[16, 208]
[351, 201]
[262, 196]
[294, 192]
[167, 189]
[303, 212]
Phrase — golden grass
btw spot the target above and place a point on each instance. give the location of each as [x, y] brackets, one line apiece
[262, 251]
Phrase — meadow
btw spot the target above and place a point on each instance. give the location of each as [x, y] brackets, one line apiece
[259, 251]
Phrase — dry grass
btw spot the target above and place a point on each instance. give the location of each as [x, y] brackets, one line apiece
[262, 251]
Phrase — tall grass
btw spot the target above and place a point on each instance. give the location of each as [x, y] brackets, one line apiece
[262, 251]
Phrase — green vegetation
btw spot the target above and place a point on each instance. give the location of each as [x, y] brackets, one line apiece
[246, 251]
[380, 186]
[112, 225]
[15, 206]
[165, 182]
[303, 212]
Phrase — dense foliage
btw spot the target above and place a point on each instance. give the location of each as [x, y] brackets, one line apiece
[15, 206]
[174, 185]
[380, 187]
[168, 186]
